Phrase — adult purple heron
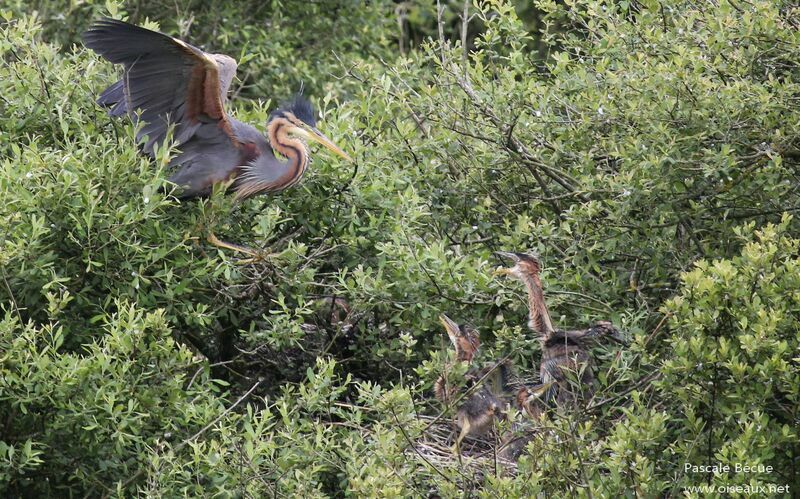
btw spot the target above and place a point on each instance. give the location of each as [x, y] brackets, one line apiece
[168, 83]
[563, 352]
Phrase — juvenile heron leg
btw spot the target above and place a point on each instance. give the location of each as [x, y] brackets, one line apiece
[465, 429]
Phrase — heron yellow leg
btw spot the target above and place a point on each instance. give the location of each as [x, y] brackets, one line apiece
[235, 247]
[254, 254]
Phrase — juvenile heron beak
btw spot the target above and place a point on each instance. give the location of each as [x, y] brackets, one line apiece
[539, 390]
[451, 327]
[501, 271]
[464, 339]
[505, 255]
[311, 133]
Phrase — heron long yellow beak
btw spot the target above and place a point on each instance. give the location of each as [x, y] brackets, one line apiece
[311, 133]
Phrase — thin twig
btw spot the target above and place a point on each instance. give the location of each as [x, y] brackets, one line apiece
[657, 328]
[413, 446]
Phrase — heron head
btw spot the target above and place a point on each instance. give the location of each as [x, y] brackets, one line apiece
[303, 123]
[465, 339]
[523, 264]
[532, 398]
[496, 410]
[605, 329]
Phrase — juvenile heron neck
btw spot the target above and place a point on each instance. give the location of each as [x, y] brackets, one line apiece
[538, 316]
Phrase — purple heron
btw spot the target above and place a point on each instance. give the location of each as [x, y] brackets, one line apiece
[478, 406]
[563, 352]
[167, 83]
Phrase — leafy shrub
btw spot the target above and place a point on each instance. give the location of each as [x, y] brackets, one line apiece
[646, 151]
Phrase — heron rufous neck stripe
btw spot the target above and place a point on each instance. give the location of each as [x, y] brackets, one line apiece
[292, 148]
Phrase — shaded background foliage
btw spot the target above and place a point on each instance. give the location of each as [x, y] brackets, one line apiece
[647, 151]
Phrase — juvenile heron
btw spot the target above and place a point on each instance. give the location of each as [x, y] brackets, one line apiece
[530, 401]
[563, 352]
[466, 342]
[168, 83]
[479, 408]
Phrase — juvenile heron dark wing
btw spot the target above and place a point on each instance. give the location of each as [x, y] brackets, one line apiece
[166, 80]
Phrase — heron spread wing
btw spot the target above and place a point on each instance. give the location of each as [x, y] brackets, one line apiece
[169, 84]
[167, 81]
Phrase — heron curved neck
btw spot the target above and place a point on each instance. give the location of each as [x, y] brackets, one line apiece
[292, 148]
[267, 172]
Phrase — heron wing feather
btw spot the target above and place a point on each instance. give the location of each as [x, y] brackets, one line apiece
[166, 81]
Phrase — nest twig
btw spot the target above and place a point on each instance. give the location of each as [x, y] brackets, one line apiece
[479, 455]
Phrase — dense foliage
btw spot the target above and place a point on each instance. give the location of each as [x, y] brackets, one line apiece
[647, 151]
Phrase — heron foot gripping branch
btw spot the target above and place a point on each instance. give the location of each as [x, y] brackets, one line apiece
[255, 255]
